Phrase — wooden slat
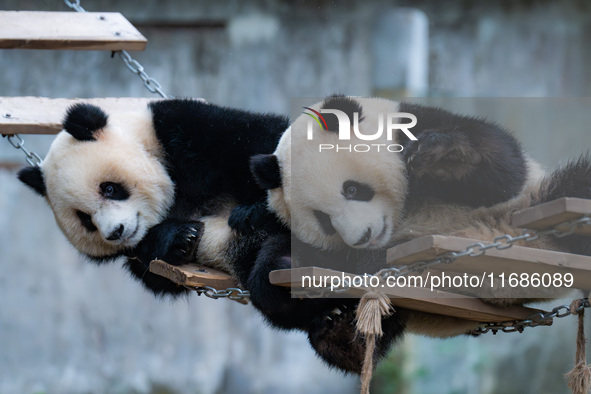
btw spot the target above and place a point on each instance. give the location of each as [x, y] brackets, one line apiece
[518, 259]
[415, 298]
[39, 115]
[108, 31]
[550, 214]
[193, 275]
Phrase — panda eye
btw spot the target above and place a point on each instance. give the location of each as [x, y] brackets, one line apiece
[113, 191]
[86, 221]
[357, 191]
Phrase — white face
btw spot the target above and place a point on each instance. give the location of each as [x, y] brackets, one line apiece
[106, 194]
[332, 198]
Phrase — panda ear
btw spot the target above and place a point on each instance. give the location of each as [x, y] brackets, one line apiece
[83, 120]
[344, 104]
[33, 177]
[266, 171]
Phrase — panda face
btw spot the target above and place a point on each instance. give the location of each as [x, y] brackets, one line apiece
[108, 189]
[332, 198]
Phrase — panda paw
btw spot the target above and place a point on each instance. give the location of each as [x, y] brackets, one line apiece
[246, 219]
[173, 241]
[445, 156]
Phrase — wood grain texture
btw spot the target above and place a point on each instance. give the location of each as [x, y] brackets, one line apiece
[415, 298]
[108, 31]
[40, 115]
[549, 215]
[193, 275]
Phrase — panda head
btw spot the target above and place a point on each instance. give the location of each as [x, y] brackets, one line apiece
[329, 197]
[104, 179]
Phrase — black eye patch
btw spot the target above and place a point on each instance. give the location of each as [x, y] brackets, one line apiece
[325, 223]
[113, 191]
[86, 221]
[357, 191]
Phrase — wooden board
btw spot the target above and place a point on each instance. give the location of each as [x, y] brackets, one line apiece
[108, 31]
[549, 215]
[415, 298]
[39, 115]
[193, 275]
[518, 259]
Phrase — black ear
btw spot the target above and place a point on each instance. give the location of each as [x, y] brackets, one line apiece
[266, 171]
[33, 177]
[347, 105]
[82, 120]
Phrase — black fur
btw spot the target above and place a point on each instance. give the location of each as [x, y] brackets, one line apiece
[208, 148]
[345, 104]
[571, 180]
[83, 120]
[461, 159]
[266, 171]
[33, 177]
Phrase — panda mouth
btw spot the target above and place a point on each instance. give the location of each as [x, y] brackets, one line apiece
[374, 242]
[133, 234]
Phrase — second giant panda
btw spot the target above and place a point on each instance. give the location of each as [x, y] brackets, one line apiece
[459, 176]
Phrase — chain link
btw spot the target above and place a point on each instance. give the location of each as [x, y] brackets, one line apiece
[75, 4]
[133, 65]
[535, 320]
[232, 293]
[18, 143]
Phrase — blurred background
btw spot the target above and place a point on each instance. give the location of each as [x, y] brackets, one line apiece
[67, 326]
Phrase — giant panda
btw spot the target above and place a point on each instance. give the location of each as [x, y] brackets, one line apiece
[173, 182]
[456, 175]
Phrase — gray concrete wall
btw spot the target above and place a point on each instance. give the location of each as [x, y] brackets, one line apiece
[68, 326]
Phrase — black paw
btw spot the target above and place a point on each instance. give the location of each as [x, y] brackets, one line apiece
[334, 337]
[442, 155]
[246, 219]
[173, 241]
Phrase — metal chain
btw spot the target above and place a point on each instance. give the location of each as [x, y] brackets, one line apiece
[537, 319]
[133, 65]
[18, 143]
[232, 293]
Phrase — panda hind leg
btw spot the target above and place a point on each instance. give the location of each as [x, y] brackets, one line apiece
[334, 338]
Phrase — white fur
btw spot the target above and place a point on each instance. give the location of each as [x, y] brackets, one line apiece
[315, 180]
[126, 151]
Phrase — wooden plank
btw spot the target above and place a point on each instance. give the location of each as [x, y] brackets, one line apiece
[108, 31]
[549, 215]
[193, 275]
[415, 298]
[39, 115]
[518, 259]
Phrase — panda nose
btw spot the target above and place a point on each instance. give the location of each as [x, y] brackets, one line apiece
[115, 235]
[365, 237]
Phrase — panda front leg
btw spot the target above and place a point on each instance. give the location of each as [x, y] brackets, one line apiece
[173, 240]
